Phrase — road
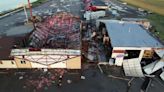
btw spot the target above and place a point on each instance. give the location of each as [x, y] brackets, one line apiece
[124, 10]
[48, 8]
[52, 6]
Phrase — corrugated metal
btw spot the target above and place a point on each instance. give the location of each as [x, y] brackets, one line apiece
[162, 76]
[151, 68]
[160, 53]
[127, 34]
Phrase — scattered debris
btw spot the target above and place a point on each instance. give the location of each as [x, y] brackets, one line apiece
[21, 77]
[69, 81]
[100, 68]
[118, 78]
[83, 77]
[162, 76]
[151, 68]
[39, 79]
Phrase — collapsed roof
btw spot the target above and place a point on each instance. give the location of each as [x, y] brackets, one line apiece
[61, 30]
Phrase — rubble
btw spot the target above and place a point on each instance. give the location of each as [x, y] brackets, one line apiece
[162, 76]
[83, 77]
[69, 81]
[39, 79]
[56, 32]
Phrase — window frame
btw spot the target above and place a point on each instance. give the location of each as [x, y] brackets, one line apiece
[130, 55]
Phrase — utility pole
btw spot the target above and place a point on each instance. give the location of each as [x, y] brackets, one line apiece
[31, 14]
[30, 9]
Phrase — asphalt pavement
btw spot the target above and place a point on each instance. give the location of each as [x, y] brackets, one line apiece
[53, 6]
[94, 81]
[123, 9]
[46, 9]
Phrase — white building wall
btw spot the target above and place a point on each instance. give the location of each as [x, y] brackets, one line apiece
[37, 65]
[132, 48]
[59, 65]
[8, 64]
[120, 56]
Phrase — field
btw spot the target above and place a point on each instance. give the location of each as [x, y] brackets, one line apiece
[157, 21]
[38, 2]
[157, 18]
[152, 5]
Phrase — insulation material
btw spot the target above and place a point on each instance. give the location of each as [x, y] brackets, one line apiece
[151, 68]
[132, 67]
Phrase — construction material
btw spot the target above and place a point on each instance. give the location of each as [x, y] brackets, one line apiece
[94, 15]
[100, 69]
[132, 67]
[120, 78]
[151, 68]
[160, 53]
[162, 76]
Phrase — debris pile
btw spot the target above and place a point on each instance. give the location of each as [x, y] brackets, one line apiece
[39, 80]
[56, 32]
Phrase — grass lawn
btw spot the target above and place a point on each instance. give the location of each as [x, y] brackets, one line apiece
[157, 21]
[152, 5]
[157, 18]
[38, 2]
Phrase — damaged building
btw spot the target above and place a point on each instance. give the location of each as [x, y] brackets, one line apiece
[54, 43]
[131, 46]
